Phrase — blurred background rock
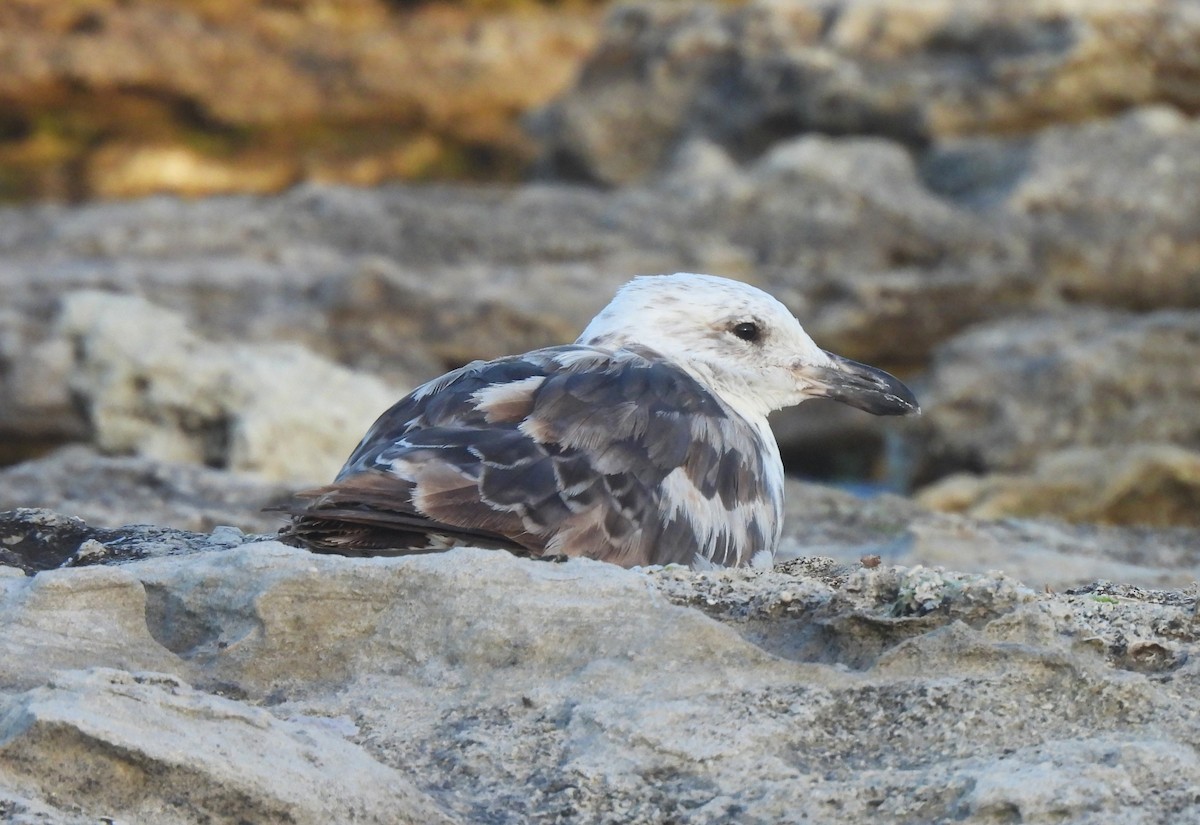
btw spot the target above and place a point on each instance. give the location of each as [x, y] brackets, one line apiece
[236, 231]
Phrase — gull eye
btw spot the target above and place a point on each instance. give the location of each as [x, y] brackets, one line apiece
[746, 330]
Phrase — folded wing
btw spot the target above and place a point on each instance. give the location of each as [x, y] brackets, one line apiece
[567, 450]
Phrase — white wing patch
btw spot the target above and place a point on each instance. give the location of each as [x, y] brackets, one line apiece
[709, 518]
[507, 402]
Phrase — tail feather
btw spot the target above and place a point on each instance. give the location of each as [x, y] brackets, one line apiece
[371, 514]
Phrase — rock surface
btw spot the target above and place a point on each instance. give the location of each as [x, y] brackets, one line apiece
[1001, 395]
[458, 685]
[114, 99]
[211, 759]
[1040, 551]
[1111, 205]
[748, 75]
[1152, 484]
[110, 491]
[406, 283]
[148, 386]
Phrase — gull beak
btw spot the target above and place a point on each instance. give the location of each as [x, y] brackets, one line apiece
[858, 385]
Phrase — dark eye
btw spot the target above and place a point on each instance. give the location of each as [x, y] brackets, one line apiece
[746, 330]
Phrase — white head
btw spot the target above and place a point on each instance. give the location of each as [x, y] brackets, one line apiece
[741, 342]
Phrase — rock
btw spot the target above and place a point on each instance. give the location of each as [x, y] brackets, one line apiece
[119, 99]
[1003, 394]
[50, 618]
[150, 387]
[111, 491]
[472, 683]
[1150, 484]
[1111, 204]
[37, 539]
[82, 736]
[749, 75]
[1042, 553]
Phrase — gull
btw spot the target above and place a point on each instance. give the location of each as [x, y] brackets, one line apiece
[643, 443]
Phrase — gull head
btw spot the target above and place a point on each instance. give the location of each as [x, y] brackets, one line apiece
[741, 343]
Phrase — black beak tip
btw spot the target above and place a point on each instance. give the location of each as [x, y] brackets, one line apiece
[905, 402]
[868, 388]
[892, 403]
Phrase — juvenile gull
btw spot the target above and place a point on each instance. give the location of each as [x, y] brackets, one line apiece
[644, 442]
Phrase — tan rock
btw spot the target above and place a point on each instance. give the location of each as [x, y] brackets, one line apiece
[1146, 484]
[82, 737]
[51, 617]
[214, 97]
[153, 388]
[120, 170]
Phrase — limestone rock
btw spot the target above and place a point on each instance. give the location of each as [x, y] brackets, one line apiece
[482, 684]
[82, 737]
[747, 76]
[151, 387]
[1040, 552]
[111, 491]
[1003, 394]
[51, 618]
[1149, 484]
[1111, 205]
[117, 99]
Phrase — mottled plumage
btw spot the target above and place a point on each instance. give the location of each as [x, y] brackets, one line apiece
[645, 442]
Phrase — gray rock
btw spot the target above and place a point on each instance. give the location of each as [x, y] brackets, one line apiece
[1041, 552]
[37, 539]
[747, 76]
[111, 491]
[490, 686]
[82, 736]
[1111, 205]
[1003, 394]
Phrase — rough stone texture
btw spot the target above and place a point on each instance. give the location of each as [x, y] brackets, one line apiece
[912, 71]
[1111, 206]
[148, 386]
[35, 539]
[1152, 484]
[110, 491]
[1040, 552]
[82, 736]
[112, 99]
[1003, 394]
[487, 685]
